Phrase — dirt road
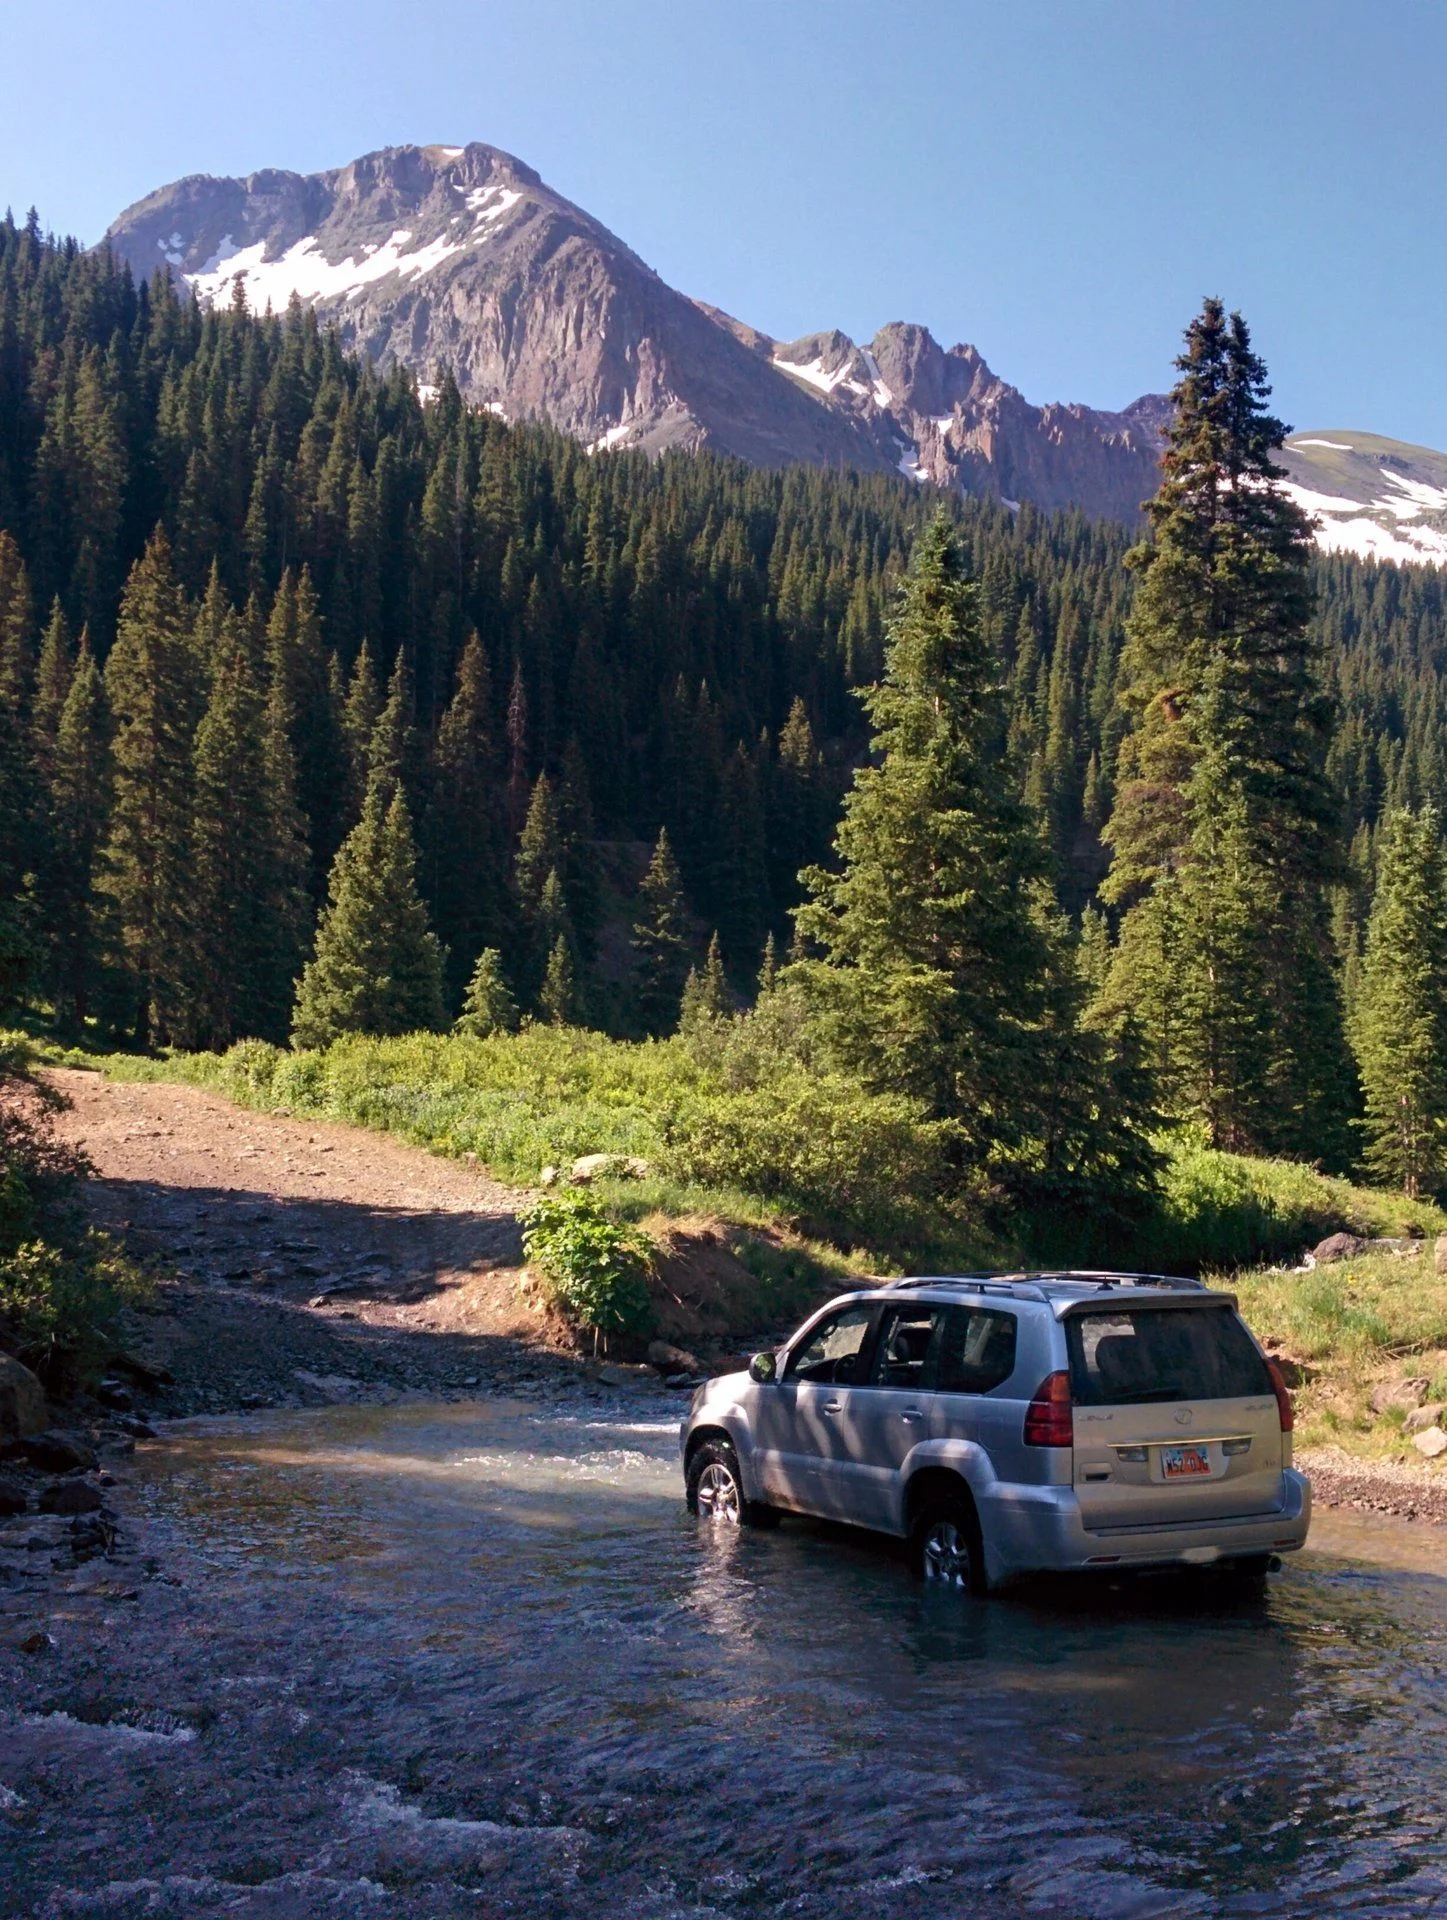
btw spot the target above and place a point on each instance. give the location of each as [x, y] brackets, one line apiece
[303, 1263]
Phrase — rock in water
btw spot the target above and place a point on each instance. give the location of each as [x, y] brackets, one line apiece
[22, 1400]
[70, 1496]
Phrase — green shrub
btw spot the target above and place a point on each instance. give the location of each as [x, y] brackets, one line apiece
[59, 1304]
[820, 1145]
[595, 1270]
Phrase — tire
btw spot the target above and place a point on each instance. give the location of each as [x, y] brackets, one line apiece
[716, 1489]
[945, 1548]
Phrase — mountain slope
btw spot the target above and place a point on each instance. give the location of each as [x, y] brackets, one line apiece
[1381, 499]
[425, 254]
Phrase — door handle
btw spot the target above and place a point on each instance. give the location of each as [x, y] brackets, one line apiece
[911, 1415]
[832, 1406]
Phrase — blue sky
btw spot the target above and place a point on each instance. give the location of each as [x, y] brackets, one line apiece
[1058, 184]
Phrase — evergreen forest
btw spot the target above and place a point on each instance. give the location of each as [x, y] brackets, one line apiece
[325, 711]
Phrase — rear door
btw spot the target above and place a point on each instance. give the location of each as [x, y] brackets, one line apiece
[1175, 1416]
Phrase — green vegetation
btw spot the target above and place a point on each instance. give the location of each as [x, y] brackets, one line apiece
[61, 1286]
[1351, 1328]
[596, 1271]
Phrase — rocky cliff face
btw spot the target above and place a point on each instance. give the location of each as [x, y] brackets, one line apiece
[462, 254]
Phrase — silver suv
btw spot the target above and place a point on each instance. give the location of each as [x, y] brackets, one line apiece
[1010, 1425]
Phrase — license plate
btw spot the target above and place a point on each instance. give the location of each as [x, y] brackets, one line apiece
[1183, 1463]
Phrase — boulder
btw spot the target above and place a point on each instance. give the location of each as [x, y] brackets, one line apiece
[549, 1177]
[1407, 1394]
[1421, 1418]
[669, 1359]
[59, 1453]
[1440, 1253]
[13, 1498]
[22, 1400]
[606, 1166]
[70, 1496]
[1432, 1444]
[1336, 1246]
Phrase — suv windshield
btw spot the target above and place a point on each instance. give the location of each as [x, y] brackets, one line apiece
[1119, 1356]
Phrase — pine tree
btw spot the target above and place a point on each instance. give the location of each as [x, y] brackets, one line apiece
[18, 823]
[362, 707]
[378, 966]
[489, 1006]
[1230, 969]
[153, 687]
[706, 995]
[246, 908]
[660, 941]
[465, 857]
[80, 801]
[944, 973]
[558, 998]
[1400, 1025]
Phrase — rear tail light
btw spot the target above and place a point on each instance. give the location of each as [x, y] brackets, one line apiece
[1283, 1397]
[1048, 1418]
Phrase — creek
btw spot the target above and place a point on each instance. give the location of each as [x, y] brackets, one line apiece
[477, 1658]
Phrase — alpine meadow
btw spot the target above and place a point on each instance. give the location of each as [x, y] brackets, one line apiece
[938, 873]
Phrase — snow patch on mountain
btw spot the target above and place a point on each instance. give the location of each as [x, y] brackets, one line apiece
[304, 269]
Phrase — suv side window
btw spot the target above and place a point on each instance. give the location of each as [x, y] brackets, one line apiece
[902, 1351]
[977, 1350]
[831, 1352]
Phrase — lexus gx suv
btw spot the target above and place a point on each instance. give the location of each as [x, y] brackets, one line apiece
[1005, 1426]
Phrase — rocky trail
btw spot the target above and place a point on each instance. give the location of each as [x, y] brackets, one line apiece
[303, 1264]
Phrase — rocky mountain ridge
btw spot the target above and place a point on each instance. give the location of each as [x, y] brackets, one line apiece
[463, 254]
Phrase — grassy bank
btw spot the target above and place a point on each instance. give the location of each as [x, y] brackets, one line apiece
[1350, 1328]
[726, 1136]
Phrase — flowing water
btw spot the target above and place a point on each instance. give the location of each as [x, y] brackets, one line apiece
[466, 1654]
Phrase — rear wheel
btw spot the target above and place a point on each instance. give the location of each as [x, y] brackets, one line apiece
[945, 1549]
[716, 1489]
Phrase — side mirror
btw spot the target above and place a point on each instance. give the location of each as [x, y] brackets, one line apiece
[764, 1369]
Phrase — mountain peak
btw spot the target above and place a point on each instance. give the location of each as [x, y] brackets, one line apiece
[463, 254]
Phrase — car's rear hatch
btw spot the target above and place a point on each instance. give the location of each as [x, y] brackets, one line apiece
[1175, 1414]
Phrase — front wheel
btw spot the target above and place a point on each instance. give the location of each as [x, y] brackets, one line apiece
[716, 1489]
[945, 1549]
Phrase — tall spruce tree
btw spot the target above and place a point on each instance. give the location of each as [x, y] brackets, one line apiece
[1225, 834]
[153, 685]
[80, 800]
[940, 968]
[378, 965]
[1399, 1028]
[464, 854]
[660, 941]
[246, 908]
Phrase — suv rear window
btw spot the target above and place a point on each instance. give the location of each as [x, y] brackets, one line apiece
[1119, 1357]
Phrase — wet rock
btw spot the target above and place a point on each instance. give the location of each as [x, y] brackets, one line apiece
[1407, 1394]
[59, 1453]
[1432, 1444]
[325, 1389]
[70, 1496]
[37, 1642]
[22, 1400]
[137, 1428]
[13, 1497]
[669, 1359]
[1421, 1418]
[112, 1394]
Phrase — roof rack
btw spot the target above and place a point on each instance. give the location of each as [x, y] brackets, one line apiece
[1029, 1285]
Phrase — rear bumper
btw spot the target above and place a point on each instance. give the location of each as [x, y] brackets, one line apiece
[1039, 1530]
